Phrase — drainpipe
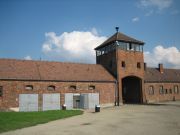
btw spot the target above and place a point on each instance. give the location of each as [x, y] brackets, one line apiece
[117, 81]
[116, 94]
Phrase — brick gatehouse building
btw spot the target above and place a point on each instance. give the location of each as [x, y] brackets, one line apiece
[119, 76]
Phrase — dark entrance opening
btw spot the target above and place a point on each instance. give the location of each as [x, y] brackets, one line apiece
[131, 89]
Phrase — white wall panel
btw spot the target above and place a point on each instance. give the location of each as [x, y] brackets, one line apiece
[51, 101]
[28, 102]
[69, 100]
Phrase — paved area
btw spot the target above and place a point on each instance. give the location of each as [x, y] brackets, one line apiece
[161, 119]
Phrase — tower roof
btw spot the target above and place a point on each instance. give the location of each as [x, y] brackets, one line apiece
[120, 37]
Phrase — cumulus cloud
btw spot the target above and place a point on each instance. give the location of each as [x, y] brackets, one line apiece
[75, 46]
[27, 57]
[170, 57]
[135, 19]
[159, 4]
[156, 6]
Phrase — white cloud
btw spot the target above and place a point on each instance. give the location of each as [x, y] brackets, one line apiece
[75, 46]
[149, 13]
[170, 57]
[94, 31]
[159, 4]
[135, 19]
[27, 57]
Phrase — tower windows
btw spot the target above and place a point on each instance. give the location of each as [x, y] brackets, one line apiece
[123, 64]
[138, 65]
[131, 47]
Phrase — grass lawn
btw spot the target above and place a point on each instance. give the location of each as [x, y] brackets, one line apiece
[15, 120]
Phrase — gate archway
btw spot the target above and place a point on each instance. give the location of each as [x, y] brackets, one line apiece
[132, 89]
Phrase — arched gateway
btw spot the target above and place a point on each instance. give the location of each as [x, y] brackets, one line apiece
[132, 89]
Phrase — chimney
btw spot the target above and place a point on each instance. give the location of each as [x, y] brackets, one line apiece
[145, 66]
[161, 68]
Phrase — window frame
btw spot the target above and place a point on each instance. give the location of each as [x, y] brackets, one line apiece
[138, 65]
[123, 64]
[166, 91]
[91, 87]
[151, 90]
[161, 91]
[73, 87]
[170, 91]
[176, 91]
[1, 91]
[29, 87]
[51, 88]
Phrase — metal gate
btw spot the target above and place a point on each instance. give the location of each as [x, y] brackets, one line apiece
[84, 101]
[28, 102]
[69, 100]
[51, 101]
[93, 100]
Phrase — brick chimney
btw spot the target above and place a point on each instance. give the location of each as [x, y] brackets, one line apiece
[161, 68]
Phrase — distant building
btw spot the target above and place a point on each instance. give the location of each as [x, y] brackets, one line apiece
[120, 76]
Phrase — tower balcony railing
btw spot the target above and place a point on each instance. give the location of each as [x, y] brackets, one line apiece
[119, 45]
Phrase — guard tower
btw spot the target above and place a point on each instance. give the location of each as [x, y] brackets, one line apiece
[123, 57]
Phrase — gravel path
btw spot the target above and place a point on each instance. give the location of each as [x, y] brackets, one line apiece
[162, 119]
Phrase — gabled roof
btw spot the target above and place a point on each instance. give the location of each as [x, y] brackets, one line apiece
[168, 75]
[119, 37]
[52, 71]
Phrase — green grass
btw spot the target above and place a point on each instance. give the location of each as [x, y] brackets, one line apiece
[16, 120]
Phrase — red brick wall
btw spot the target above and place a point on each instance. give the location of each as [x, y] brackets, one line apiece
[156, 97]
[130, 58]
[12, 89]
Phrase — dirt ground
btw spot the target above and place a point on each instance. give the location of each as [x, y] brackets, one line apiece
[159, 119]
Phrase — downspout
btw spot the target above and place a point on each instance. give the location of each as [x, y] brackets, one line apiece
[116, 93]
[117, 80]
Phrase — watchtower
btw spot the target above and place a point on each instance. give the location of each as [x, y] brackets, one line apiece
[123, 57]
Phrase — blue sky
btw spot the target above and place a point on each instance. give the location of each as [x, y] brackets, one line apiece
[40, 28]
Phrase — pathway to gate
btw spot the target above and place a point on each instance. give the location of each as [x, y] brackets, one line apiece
[159, 119]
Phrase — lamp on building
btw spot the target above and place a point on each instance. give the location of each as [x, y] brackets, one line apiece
[117, 29]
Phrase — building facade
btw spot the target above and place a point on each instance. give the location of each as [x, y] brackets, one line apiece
[120, 76]
[123, 57]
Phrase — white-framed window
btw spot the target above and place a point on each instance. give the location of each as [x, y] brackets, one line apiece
[176, 90]
[151, 90]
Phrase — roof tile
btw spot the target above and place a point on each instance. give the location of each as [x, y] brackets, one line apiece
[55, 71]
